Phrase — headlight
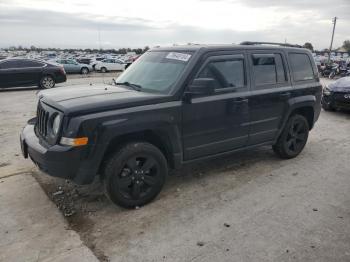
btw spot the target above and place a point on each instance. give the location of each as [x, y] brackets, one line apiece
[56, 124]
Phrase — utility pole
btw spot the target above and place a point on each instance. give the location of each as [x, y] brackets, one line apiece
[99, 37]
[334, 21]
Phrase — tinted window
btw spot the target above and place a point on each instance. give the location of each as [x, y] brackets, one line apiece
[28, 63]
[301, 67]
[264, 70]
[280, 70]
[227, 73]
[9, 64]
[268, 69]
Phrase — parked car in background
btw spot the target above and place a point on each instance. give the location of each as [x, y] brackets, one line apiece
[72, 66]
[86, 61]
[337, 95]
[94, 61]
[28, 72]
[110, 64]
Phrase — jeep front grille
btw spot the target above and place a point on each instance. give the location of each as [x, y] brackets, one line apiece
[42, 121]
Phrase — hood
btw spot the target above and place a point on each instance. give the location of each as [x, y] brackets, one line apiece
[84, 99]
[341, 85]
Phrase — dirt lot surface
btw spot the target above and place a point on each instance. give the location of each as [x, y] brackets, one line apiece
[250, 206]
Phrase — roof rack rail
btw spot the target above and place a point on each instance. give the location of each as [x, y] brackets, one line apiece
[269, 43]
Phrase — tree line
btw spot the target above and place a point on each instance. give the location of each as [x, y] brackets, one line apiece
[345, 46]
[71, 50]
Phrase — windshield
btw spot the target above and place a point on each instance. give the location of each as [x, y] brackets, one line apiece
[156, 71]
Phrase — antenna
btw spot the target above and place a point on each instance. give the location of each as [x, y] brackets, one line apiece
[100, 49]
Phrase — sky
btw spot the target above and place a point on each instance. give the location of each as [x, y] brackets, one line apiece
[139, 23]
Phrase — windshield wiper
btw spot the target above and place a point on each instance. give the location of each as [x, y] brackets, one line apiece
[133, 86]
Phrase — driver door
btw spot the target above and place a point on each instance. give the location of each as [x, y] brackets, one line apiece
[219, 122]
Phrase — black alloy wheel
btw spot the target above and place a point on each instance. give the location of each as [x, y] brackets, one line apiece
[138, 176]
[293, 138]
[135, 175]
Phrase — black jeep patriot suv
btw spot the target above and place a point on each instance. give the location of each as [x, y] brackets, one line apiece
[173, 106]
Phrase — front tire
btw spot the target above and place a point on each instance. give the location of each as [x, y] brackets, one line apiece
[84, 71]
[103, 69]
[135, 174]
[327, 106]
[293, 137]
[47, 82]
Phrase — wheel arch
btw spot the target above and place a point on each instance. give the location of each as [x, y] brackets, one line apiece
[158, 138]
[303, 105]
[308, 112]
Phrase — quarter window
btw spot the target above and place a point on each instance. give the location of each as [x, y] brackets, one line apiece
[226, 73]
[268, 69]
[301, 67]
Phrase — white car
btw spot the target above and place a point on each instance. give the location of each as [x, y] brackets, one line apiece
[110, 64]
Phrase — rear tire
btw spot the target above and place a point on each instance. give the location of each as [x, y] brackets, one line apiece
[47, 82]
[293, 137]
[103, 69]
[135, 174]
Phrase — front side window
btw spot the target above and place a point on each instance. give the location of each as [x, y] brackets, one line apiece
[268, 69]
[156, 71]
[226, 73]
[301, 67]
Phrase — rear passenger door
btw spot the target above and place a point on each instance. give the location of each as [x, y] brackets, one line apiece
[9, 75]
[270, 91]
[30, 71]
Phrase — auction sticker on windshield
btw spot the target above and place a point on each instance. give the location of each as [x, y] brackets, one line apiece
[178, 56]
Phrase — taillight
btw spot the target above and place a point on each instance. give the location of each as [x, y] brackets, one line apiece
[62, 70]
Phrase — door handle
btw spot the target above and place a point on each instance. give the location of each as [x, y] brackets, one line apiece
[284, 96]
[238, 104]
[241, 100]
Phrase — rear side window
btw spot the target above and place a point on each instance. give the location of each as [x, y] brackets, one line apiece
[226, 73]
[301, 67]
[268, 69]
[28, 63]
[9, 64]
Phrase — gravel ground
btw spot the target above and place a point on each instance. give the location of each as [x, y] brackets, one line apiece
[250, 206]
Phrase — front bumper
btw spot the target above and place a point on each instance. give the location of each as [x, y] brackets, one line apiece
[58, 161]
[338, 100]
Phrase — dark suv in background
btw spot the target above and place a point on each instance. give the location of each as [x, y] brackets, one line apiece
[171, 107]
[28, 72]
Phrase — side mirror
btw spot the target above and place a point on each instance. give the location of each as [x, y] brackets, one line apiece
[202, 86]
